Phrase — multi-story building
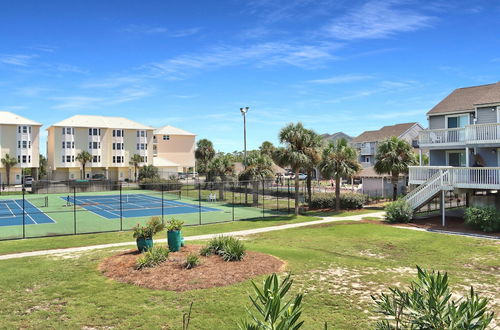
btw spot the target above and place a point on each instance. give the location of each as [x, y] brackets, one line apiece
[372, 183]
[464, 147]
[19, 138]
[173, 150]
[111, 141]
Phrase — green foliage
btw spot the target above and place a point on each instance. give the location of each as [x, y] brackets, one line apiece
[273, 310]
[152, 227]
[206, 251]
[428, 304]
[174, 224]
[348, 201]
[148, 172]
[153, 257]
[204, 153]
[484, 218]
[8, 162]
[192, 261]
[228, 247]
[398, 211]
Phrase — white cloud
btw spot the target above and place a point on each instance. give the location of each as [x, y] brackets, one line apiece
[16, 59]
[341, 79]
[76, 102]
[148, 29]
[377, 19]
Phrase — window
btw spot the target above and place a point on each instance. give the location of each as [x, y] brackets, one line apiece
[68, 159]
[94, 159]
[114, 159]
[29, 129]
[25, 129]
[73, 158]
[143, 133]
[90, 131]
[142, 146]
[18, 129]
[138, 133]
[457, 121]
[25, 144]
[90, 145]
[95, 132]
[19, 144]
[63, 158]
[73, 145]
[29, 144]
[24, 158]
[123, 147]
[18, 159]
[68, 145]
[95, 145]
[63, 131]
[455, 158]
[29, 159]
[146, 159]
[166, 137]
[114, 146]
[114, 133]
[138, 146]
[69, 130]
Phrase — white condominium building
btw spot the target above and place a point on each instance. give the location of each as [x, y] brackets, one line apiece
[19, 138]
[111, 142]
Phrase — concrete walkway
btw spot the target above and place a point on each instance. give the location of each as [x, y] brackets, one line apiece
[191, 238]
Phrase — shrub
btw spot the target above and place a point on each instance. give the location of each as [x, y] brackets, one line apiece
[228, 247]
[273, 311]
[398, 211]
[192, 261]
[174, 224]
[428, 304]
[484, 218]
[152, 227]
[348, 201]
[153, 257]
[233, 250]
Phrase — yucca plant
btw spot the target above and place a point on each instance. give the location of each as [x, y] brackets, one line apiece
[153, 257]
[272, 309]
[233, 250]
[192, 261]
[428, 304]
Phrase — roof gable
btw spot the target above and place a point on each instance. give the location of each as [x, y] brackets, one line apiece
[101, 122]
[9, 118]
[384, 133]
[171, 130]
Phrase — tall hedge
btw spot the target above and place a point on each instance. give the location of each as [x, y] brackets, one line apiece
[348, 201]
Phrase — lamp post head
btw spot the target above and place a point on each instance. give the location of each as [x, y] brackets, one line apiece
[244, 110]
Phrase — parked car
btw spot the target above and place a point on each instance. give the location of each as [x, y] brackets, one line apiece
[28, 181]
[98, 177]
[302, 176]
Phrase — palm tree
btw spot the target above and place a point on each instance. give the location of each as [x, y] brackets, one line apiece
[296, 152]
[84, 157]
[135, 161]
[8, 162]
[259, 167]
[393, 157]
[42, 168]
[148, 172]
[204, 153]
[339, 160]
[267, 148]
[315, 144]
[221, 166]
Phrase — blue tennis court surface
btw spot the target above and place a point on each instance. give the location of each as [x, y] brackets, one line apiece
[11, 213]
[133, 205]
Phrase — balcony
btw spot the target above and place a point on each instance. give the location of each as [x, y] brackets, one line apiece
[366, 151]
[470, 135]
[459, 177]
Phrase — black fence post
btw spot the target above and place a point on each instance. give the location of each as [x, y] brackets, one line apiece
[199, 203]
[121, 208]
[233, 201]
[24, 215]
[263, 201]
[288, 195]
[162, 211]
[277, 198]
[74, 209]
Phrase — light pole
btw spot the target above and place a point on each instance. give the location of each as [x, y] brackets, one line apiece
[244, 113]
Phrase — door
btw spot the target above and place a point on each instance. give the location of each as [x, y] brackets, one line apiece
[456, 158]
[456, 122]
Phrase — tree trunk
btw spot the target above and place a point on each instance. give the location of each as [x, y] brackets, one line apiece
[83, 171]
[394, 179]
[337, 193]
[297, 191]
[246, 193]
[7, 171]
[309, 189]
[135, 173]
[255, 193]
[221, 189]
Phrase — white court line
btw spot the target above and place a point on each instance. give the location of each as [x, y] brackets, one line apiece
[10, 210]
[29, 216]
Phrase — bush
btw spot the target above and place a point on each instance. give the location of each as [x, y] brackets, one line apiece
[174, 224]
[428, 304]
[228, 247]
[192, 261]
[152, 227]
[484, 218]
[153, 257]
[159, 184]
[398, 211]
[348, 201]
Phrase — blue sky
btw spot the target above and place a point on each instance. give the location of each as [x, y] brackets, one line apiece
[334, 65]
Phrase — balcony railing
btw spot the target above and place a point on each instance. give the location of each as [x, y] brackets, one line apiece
[470, 134]
[459, 177]
[366, 150]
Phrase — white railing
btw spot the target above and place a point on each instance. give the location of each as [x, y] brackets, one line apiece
[483, 133]
[459, 177]
[366, 150]
[429, 189]
[450, 136]
[470, 134]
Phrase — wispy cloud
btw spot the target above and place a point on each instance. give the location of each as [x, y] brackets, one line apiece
[398, 114]
[262, 54]
[16, 59]
[75, 102]
[148, 29]
[341, 79]
[112, 82]
[377, 19]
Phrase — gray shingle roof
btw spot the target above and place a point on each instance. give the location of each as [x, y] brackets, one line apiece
[383, 133]
[467, 98]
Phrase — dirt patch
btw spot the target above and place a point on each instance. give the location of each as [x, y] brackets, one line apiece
[172, 276]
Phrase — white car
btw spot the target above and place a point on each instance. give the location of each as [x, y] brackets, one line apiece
[302, 176]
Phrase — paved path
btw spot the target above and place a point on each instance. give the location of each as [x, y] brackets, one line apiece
[190, 238]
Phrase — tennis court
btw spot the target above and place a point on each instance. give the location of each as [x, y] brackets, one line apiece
[133, 205]
[11, 212]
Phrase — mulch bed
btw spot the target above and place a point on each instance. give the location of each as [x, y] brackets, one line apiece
[172, 276]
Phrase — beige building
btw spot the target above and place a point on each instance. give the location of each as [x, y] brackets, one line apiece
[111, 141]
[20, 139]
[173, 150]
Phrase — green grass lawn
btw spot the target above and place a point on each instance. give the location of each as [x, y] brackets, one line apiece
[337, 266]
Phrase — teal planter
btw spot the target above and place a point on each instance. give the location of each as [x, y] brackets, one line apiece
[144, 244]
[174, 240]
[182, 240]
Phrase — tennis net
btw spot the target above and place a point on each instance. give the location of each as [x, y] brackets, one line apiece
[35, 201]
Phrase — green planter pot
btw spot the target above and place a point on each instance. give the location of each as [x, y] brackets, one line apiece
[174, 240]
[144, 244]
[182, 240]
